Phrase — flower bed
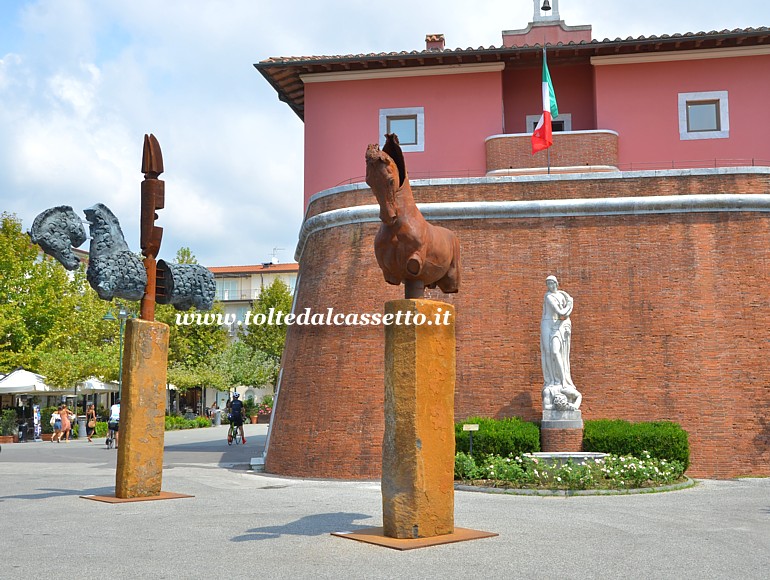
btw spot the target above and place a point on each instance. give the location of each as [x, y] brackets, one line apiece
[611, 472]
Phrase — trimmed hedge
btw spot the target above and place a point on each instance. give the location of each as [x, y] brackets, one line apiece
[8, 424]
[509, 436]
[100, 429]
[662, 439]
[175, 422]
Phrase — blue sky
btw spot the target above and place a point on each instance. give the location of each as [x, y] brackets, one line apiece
[81, 82]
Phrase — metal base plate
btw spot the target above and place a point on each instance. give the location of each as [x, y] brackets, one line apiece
[377, 536]
[113, 499]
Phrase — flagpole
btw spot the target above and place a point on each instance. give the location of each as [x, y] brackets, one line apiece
[547, 151]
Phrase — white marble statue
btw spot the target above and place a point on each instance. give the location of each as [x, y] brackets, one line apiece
[559, 392]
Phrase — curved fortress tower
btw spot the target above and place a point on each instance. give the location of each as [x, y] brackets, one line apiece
[670, 272]
[651, 204]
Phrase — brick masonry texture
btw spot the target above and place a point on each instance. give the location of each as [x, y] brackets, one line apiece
[555, 440]
[570, 150]
[561, 189]
[670, 323]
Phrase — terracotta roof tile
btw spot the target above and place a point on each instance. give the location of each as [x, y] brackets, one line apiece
[283, 72]
[257, 268]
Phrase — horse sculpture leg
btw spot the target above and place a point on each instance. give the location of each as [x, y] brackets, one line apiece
[414, 289]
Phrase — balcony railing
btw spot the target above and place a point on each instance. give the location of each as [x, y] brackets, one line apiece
[245, 293]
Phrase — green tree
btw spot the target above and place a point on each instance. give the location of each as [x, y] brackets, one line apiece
[184, 255]
[189, 377]
[33, 294]
[240, 365]
[193, 348]
[270, 338]
[50, 320]
[192, 345]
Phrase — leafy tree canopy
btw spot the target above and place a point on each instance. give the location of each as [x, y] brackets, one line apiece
[269, 338]
[50, 320]
[185, 256]
[240, 365]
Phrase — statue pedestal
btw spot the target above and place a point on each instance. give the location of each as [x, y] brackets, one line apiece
[419, 444]
[561, 431]
[142, 410]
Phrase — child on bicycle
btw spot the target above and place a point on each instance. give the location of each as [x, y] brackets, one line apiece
[237, 413]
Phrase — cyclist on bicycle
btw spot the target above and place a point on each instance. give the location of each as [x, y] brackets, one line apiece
[237, 413]
[114, 420]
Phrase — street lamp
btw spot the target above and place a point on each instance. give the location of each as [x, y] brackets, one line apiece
[123, 314]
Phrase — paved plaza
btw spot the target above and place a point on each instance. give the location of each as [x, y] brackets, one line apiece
[245, 524]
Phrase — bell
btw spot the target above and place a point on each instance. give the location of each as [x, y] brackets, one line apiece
[546, 6]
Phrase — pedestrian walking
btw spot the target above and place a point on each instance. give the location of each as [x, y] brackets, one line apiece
[90, 422]
[56, 424]
[67, 417]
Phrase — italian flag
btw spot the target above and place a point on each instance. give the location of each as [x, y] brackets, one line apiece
[542, 138]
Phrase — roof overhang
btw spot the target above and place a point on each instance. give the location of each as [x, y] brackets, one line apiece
[285, 74]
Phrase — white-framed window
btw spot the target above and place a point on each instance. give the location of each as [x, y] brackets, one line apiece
[227, 289]
[408, 123]
[561, 123]
[703, 115]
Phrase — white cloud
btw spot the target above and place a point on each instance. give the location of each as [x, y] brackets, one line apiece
[81, 82]
[7, 74]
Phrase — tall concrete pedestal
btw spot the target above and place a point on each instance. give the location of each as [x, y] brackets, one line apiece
[419, 446]
[142, 410]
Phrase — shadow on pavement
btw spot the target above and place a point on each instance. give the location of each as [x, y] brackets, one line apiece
[315, 525]
[49, 493]
[212, 452]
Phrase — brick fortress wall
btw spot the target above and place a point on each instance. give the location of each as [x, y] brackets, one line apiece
[669, 323]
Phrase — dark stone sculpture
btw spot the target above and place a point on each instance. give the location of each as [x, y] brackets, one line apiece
[408, 249]
[57, 230]
[186, 285]
[113, 270]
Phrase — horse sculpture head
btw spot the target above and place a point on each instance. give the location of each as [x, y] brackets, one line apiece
[385, 174]
[57, 230]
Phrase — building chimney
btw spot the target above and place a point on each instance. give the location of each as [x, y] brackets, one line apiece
[434, 42]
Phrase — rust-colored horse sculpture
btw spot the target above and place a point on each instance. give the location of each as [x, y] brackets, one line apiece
[408, 249]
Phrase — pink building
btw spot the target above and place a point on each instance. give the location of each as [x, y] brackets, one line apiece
[651, 207]
[676, 101]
